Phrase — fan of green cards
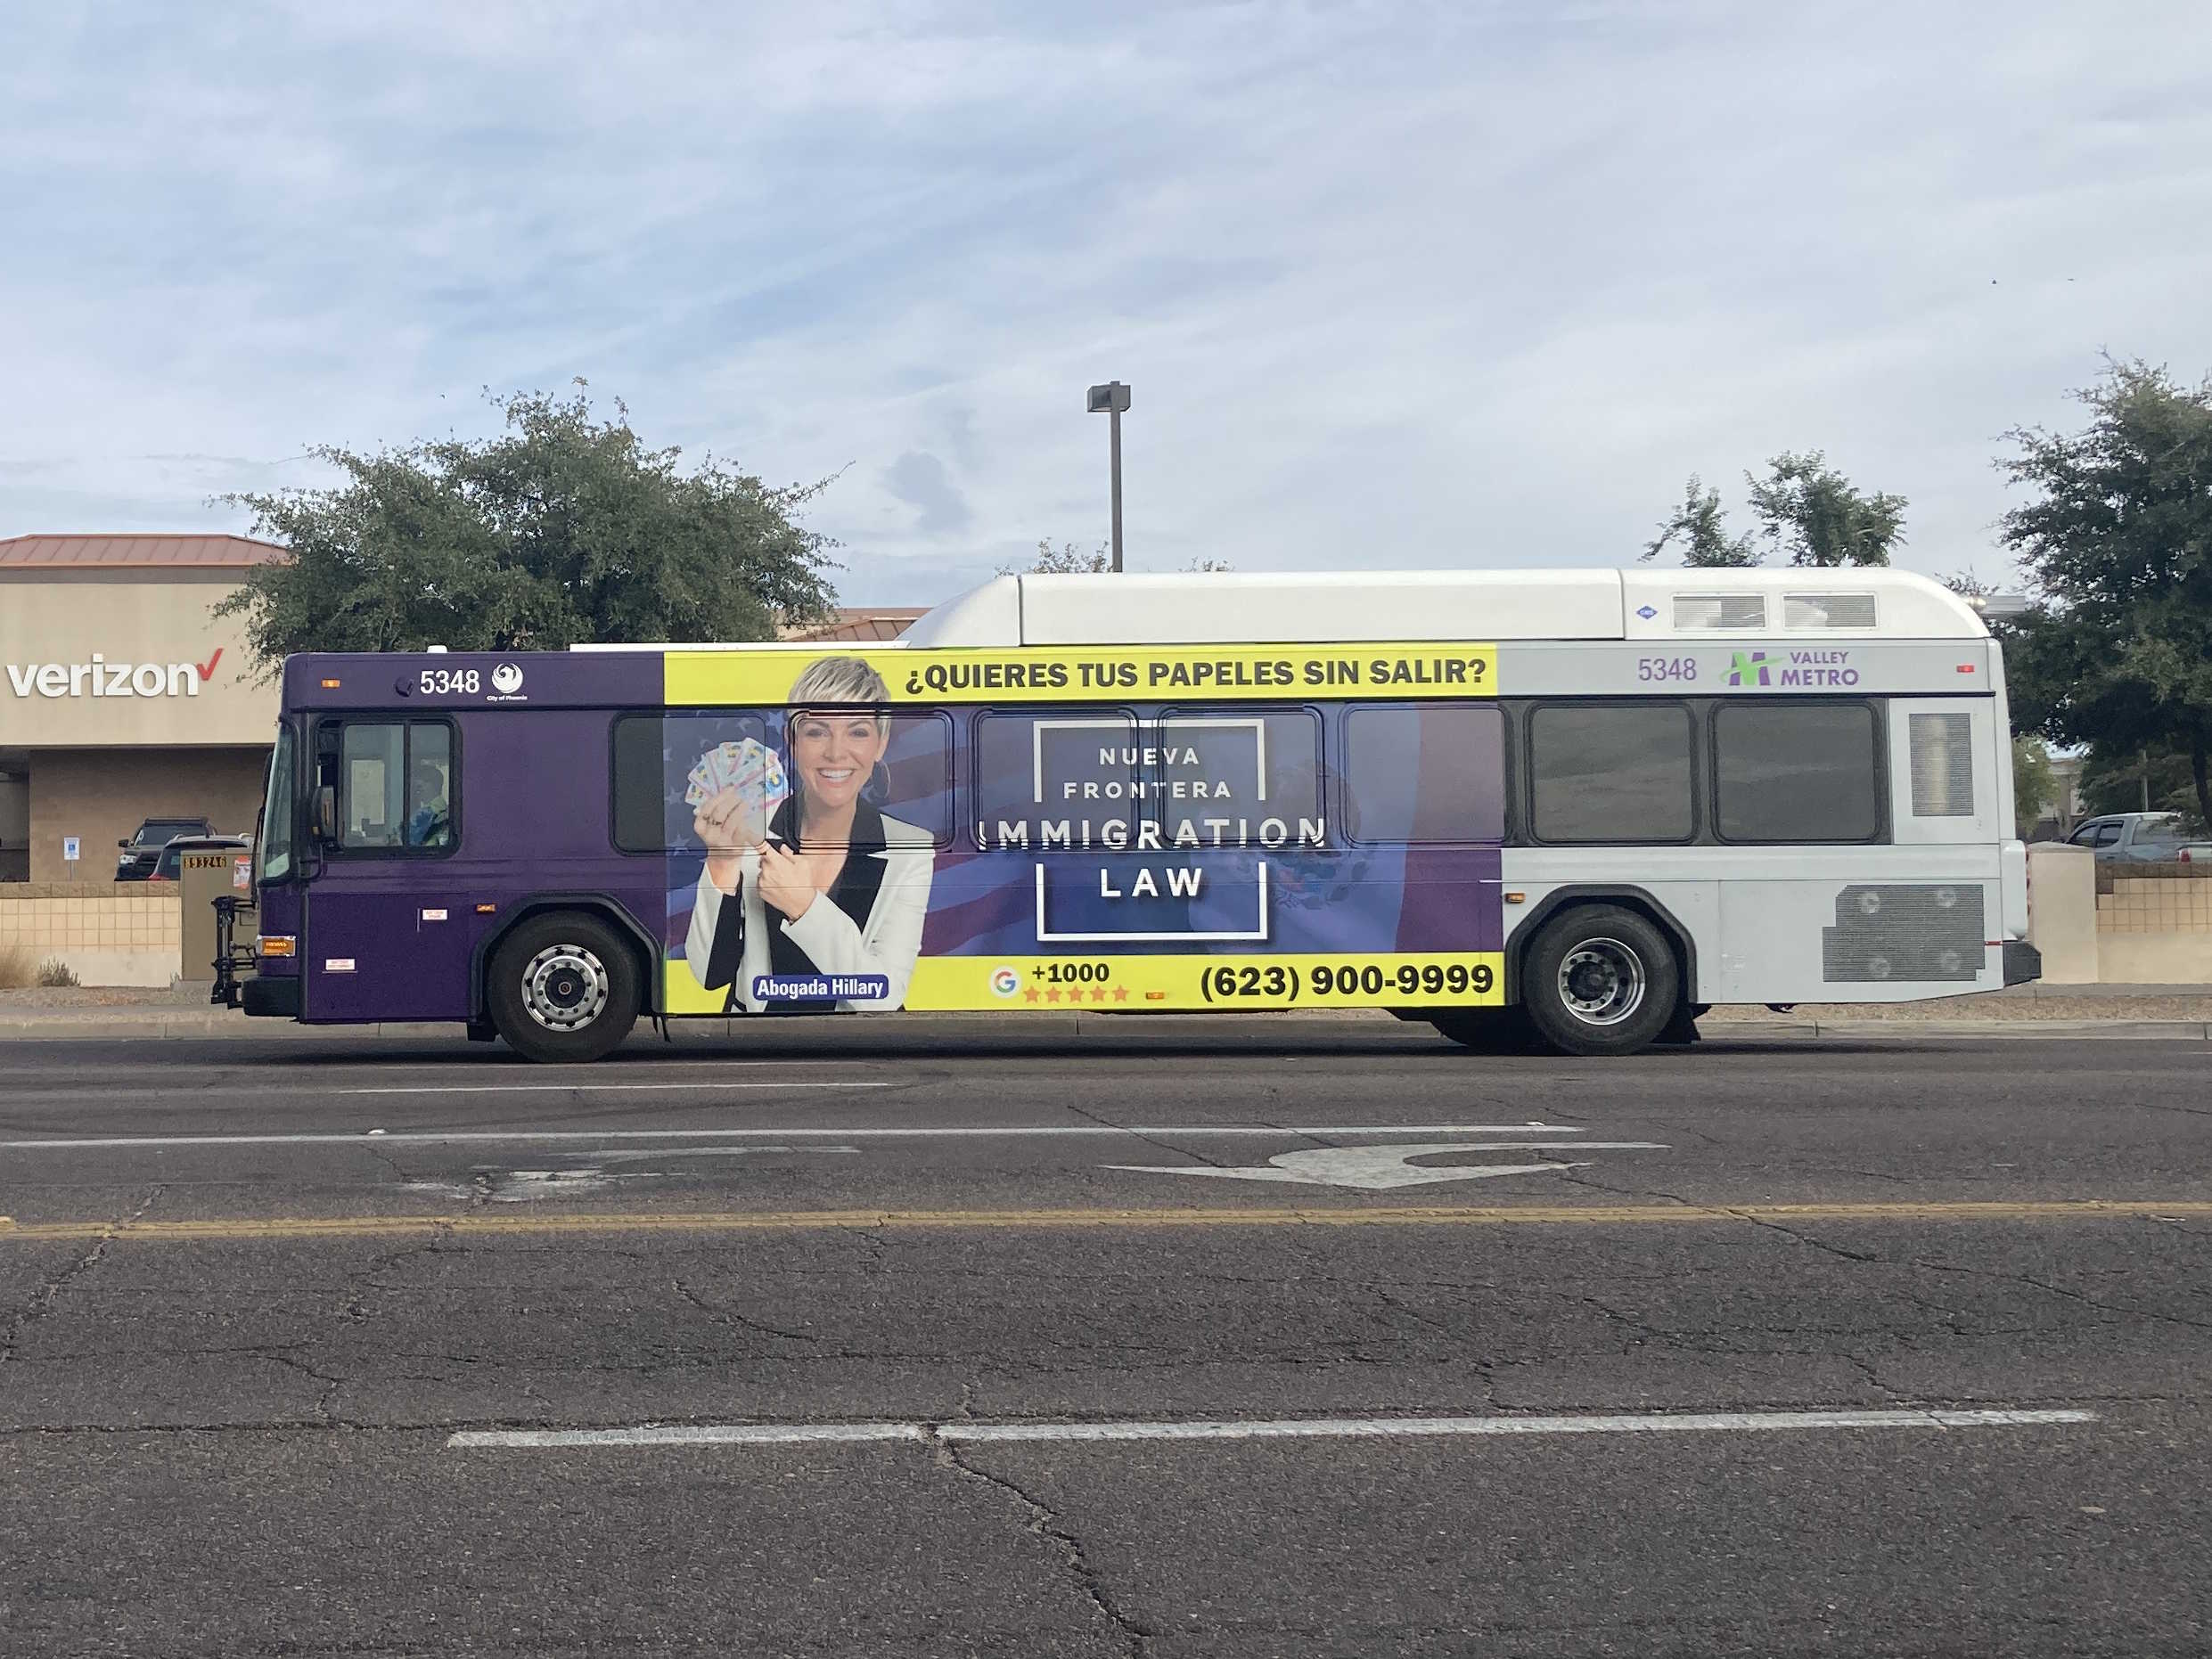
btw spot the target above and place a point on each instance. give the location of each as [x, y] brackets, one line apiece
[748, 766]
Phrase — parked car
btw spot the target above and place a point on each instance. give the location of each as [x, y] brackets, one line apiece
[2140, 839]
[142, 849]
[167, 866]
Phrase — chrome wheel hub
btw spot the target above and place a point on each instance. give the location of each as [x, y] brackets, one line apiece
[565, 987]
[1601, 982]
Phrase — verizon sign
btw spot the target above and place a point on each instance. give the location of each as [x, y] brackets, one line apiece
[101, 678]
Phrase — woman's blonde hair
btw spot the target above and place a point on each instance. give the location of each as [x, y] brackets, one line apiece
[839, 680]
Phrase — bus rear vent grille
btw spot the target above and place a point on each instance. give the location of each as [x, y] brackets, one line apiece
[1943, 766]
[1898, 932]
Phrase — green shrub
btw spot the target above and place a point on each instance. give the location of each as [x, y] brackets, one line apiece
[54, 971]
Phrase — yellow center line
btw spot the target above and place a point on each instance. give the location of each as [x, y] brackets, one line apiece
[484, 1223]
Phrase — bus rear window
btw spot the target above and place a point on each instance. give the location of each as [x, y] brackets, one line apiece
[1796, 772]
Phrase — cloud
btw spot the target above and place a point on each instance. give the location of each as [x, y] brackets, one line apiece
[920, 480]
[1418, 285]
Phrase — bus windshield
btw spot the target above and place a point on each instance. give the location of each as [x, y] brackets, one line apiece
[272, 853]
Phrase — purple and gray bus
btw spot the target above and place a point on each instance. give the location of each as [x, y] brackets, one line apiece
[1578, 806]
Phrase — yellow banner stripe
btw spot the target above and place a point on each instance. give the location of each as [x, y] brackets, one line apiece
[1222, 983]
[1366, 671]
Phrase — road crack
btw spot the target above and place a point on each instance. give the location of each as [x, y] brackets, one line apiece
[1046, 1524]
[43, 1299]
[726, 1315]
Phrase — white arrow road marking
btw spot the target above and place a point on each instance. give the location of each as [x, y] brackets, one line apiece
[524, 1186]
[1376, 1168]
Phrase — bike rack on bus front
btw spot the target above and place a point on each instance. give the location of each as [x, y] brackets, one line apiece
[233, 961]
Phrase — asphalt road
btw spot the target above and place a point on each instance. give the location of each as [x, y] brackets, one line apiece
[227, 1425]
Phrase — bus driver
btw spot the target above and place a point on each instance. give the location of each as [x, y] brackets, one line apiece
[829, 886]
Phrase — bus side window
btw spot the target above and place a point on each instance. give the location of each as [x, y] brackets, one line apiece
[1064, 780]
[1611, 773]
[1240, 770]
[1424, 773]
[394, 783]
[1796, 772]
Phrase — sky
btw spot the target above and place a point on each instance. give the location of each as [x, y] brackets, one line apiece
[1395, 286]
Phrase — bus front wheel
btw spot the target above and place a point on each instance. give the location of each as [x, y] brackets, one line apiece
[564, 987]
[1600, 980]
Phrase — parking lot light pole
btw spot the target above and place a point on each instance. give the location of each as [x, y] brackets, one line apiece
[1111, 399]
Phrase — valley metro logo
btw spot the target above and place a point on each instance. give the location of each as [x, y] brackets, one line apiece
[1749, 664]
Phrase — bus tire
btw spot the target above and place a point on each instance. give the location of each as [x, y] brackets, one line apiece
[564, 988]
[1600, 980]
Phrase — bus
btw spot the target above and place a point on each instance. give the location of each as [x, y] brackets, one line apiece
[1569, 807]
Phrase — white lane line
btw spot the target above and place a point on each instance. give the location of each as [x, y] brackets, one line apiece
[592, 1088]
[518, 1137]
[735, 1434]
[1279, 1428]
[1384, 1427]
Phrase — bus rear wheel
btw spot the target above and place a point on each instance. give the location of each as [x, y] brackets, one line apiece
[564, 988]
[1600, 980]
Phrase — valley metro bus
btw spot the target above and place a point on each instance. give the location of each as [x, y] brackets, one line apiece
[1575, 805]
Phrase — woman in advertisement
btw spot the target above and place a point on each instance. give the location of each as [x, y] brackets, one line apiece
[827, 889]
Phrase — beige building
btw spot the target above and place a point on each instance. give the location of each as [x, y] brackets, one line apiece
[123, 697]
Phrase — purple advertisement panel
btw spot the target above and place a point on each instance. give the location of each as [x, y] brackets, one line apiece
[835, 854]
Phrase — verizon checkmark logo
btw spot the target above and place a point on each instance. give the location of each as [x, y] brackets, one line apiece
[101, 678]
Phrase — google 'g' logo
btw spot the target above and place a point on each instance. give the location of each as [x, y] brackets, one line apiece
[1005, 981]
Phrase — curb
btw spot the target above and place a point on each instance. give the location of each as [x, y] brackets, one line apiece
[2100, 1030]
[184, 1025]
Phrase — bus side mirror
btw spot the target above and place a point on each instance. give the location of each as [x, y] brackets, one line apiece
[325, 826]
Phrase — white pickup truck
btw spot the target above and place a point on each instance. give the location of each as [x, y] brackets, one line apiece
[2140, 839]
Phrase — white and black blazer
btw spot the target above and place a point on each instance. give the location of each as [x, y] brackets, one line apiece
[869, 922]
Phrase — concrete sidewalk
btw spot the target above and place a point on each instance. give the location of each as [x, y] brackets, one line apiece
[2167, 1012]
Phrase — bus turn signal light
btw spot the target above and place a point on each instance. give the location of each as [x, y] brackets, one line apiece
[276, 944]
[330, 685]
[487, 910]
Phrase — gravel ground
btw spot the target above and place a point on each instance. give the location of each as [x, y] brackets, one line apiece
[67, 998]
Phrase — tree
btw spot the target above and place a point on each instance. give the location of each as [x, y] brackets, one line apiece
[2034, 786]
[1698, 525]
[1066, 560]
[561, 530]
[1808, 510]
[2115, 778]
[2116, 652]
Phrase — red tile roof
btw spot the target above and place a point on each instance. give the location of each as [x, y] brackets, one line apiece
[138, 552]
[863, 624]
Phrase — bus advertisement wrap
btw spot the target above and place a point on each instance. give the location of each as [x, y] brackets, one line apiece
[1170, 851]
